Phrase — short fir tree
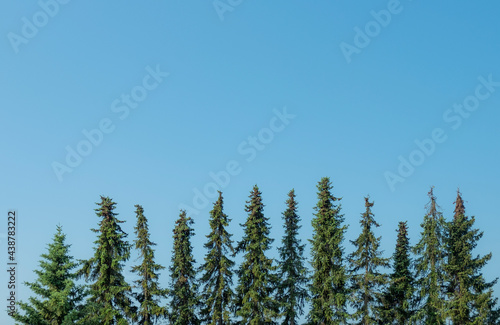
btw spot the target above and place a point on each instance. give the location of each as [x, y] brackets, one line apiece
[150, 293]
[429, 264]
[292, 273]
[183, 293]
[366, 280]
[57, 298]
[217, 271]
[398, 300]
[257, 280]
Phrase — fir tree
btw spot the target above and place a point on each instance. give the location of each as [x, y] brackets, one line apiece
[329, 290]
[470, 297]
[217, 274]
[398, 301]
[183, 291]
[292, 290]
[150, 292]
[255, 303]
[429, 266]
[57, 298]
[365, 261]
[109, 301]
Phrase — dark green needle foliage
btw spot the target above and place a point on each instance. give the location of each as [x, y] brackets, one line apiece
[150, 293]
[257, 279]
[430, 253]
[57, 299]
[328, 289]
[398, 300]
[217, 273]
[183, 292]
[366, 280]
[470, 297]
[292, 273]
[109, 301]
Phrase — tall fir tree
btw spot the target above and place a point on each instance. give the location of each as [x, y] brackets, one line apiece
[398, 300]
[257, 279]
[366, 280]
[57, 298]
[217, 271]
[110, 295]
[184, 301]
[470, 297]
[150, 293]
[292, 273]
[429, 265]
[329, 290]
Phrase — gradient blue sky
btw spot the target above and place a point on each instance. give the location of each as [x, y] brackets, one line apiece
[353, 120]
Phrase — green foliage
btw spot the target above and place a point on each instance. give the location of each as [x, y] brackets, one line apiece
[57, 298]
[150, 292]
[470, 297]
[365, 261]
[109, 301]
[429, 266]
[292, 290]
[183, 292]
[256, 276]
[217, 271]
[444, 283]
[398, 301]
[328, 290]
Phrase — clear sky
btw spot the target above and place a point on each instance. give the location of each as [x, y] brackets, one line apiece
[142, 101]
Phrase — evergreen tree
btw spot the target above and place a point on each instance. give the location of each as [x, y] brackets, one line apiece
[217, 274]
[470, 297]
[329, 290]
[398, 301]
[150, 292]
[257, 281]
[429, 266]
[183, 292]
[109, 301]
[365, 261]
[494, 313]
[292, 291]
[58, 299]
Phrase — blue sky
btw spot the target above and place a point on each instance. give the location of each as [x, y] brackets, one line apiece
[356, 116]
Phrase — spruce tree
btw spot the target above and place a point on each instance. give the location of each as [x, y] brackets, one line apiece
[109, 301]
[150, 293]
[217, 273]
[470, 297]
[328, 289]
[398, 301]
[257, 280]
[183, 292]
[429, 266]
[366, 281]
[292, 273]
[57, 298]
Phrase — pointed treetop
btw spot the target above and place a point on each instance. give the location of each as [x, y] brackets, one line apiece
[432, 206]
[431, 193]
[459, 205]
[367, 203]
